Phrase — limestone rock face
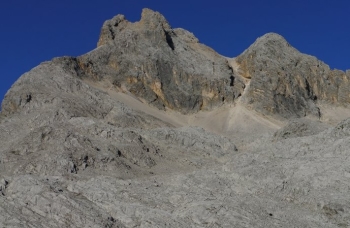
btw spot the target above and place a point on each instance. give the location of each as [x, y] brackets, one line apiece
[287, 83]
[166, 67]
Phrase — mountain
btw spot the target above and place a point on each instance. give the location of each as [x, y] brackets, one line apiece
[154, 129]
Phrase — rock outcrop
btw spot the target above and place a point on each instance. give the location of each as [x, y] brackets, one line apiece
[287, 83]
[164, 66]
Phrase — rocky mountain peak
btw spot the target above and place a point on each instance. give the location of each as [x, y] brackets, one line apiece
[110, 28]
[286, 82]
[153, 19]
[270, 47]
[150, 21]
[273, 38]
[167, 68]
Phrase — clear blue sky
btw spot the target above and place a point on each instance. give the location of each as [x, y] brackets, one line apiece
[36, 31]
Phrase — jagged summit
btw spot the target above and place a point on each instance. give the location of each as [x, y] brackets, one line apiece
[150, 20]
[166, 67]
[153, 19]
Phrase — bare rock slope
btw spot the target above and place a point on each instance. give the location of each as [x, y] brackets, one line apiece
[154, 129]
[287, 83]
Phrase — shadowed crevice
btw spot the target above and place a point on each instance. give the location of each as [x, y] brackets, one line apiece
[169, 40]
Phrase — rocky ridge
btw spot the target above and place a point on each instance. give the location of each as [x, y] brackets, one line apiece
[154, 129]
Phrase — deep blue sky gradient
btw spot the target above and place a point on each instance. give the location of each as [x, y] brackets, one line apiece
[35, 31]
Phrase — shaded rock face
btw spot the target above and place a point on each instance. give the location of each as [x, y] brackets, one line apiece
[287, 83]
